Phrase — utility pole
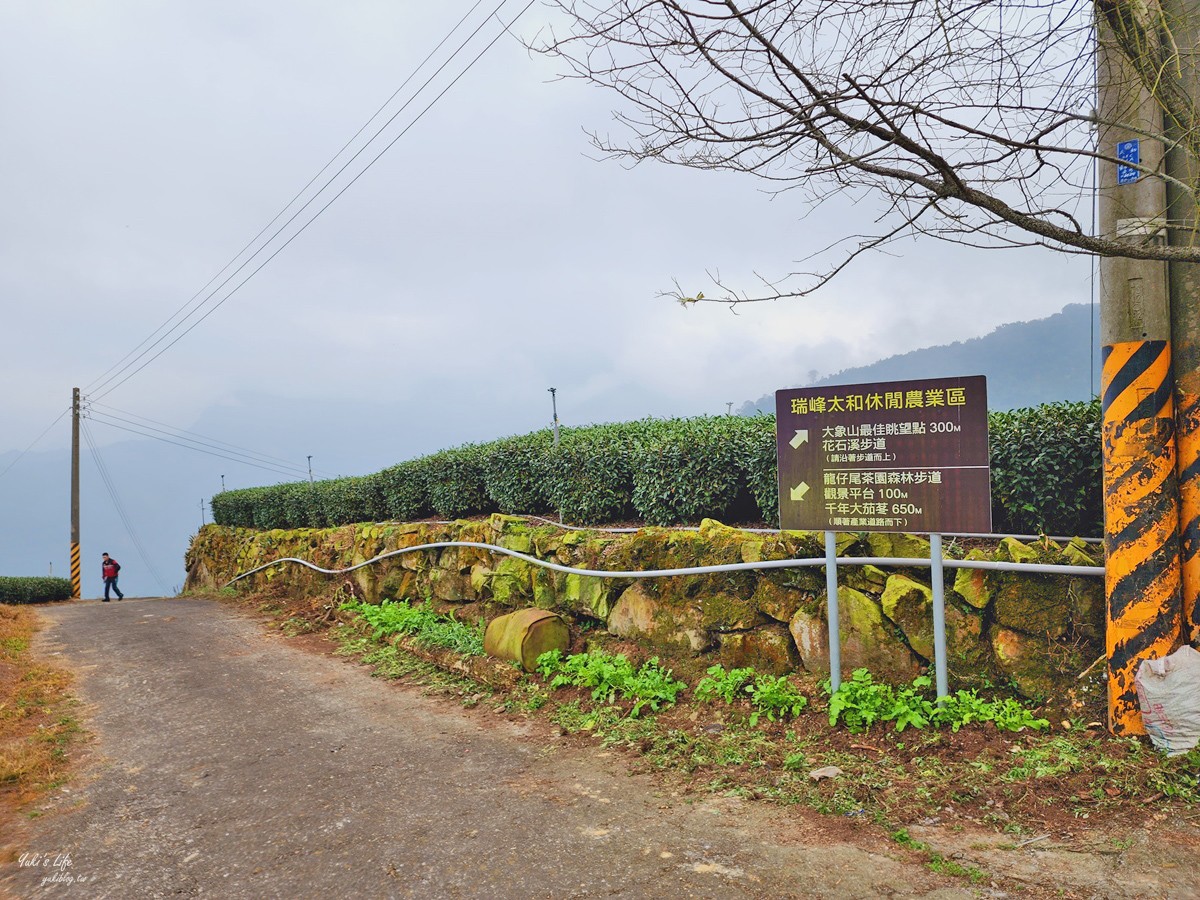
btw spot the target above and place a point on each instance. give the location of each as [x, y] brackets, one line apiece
[310, 477]
[202, 522]
[554, 407]
[76, 577]
[222, 484]
[1141, 489]
[1182, 18]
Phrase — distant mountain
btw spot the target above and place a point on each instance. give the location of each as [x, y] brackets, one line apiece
[1026, 363]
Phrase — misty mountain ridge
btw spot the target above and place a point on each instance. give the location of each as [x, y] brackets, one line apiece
[1025, 363]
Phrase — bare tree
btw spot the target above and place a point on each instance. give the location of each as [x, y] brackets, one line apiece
[974, 121]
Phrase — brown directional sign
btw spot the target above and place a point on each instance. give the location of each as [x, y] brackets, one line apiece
[888, 456]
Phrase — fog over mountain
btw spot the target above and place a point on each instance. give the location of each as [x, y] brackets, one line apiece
[1026, 363]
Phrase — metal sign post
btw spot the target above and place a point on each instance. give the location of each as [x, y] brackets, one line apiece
[937, 582]
[831, 596]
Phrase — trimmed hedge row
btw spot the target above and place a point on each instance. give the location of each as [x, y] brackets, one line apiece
[1045, 477]
[34, 590]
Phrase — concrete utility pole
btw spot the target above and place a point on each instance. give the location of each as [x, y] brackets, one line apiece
[1183, 283]
[1142, 521]
[76, 577]
[554, 407]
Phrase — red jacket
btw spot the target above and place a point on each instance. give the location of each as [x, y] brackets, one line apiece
[110, 568]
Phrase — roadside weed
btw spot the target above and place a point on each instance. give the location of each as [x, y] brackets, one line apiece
[772, 696]
[860, 702]
[612, 676]
[426, 627]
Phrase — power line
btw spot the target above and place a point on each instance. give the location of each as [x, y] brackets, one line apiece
[130, 365]
[277, 470]
[192, 436]
[297, 196]
[34, 442]
[106, 419]
[120, 508]
[334, 199]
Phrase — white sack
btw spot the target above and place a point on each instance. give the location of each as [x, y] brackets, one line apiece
[1169, 694]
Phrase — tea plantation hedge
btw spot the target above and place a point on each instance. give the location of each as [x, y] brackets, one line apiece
[1045, 477]
[34, 590]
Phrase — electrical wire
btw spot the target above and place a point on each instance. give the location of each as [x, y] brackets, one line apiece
[195, 438]
[34, 442]
[120, 508]
[290, 203]
[109, 381]
[277, 470]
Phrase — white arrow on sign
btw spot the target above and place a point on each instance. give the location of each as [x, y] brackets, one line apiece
[799, 491]
[800, 438]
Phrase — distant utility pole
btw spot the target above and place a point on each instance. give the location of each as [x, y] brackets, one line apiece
[554, 407]
[76, 578]
[729, 408]
[222, 484]
[310, 478]
[202, 522]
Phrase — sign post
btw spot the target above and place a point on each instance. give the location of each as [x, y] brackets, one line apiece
[897, 456]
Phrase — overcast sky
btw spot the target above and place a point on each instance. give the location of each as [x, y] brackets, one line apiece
[486, 257]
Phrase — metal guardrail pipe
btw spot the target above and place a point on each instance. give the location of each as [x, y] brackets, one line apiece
[890, 561]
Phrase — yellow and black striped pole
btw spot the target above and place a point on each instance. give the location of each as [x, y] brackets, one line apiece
[76, 577]
[1141, 513]
[1141, 486]
[1187, 443]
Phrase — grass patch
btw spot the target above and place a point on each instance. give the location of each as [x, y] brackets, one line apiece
[37, 727]
[426, 627]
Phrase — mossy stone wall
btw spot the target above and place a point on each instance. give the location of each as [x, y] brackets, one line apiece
[1033, 632]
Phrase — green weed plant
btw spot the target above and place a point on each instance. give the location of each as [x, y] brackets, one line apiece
[612, 676]
[861, 702]
[772, 696]
[426, 627]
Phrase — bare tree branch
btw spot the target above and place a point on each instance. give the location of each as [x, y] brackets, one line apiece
[972, 121]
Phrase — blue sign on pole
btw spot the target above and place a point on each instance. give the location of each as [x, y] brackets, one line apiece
[1129, 152]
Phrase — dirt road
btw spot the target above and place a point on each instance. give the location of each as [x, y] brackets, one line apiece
[228, 763]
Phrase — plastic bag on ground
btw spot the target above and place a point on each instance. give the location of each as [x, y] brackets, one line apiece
[1169, 694]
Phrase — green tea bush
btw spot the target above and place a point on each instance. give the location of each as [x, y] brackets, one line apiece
[236, 508]
[591, 472]
[293, 505]
[345, 500]
[516, 473]
[1045, 477]
[757, 459]
[687, 469]
[403, 492]
[34, 590]
[454, 481]
[1046, 469]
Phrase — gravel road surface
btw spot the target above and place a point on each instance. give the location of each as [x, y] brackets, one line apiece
[230, 763]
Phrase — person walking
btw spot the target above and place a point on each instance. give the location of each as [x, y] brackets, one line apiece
[110, 567]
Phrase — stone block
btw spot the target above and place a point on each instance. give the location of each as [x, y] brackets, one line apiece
[868, 640]
[767, 649]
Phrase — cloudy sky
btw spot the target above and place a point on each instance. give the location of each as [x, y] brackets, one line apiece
[487, 256]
